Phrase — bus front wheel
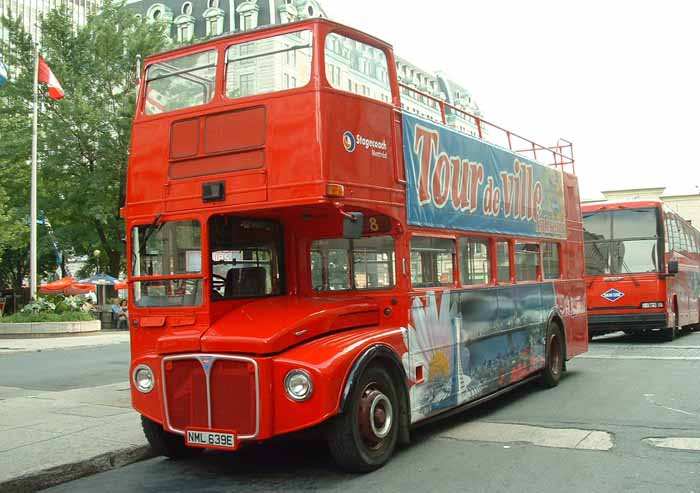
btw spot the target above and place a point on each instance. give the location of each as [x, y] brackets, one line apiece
[363, 438]
[164, 443]
[554, 357]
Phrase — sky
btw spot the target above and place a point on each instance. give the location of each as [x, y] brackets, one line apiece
[619, 79]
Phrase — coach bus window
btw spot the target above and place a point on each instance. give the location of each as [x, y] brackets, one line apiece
[356, 67]
[625, 241]
[527, 259]
[245, 257]
[432, 262]
[503, 261]
[269, 65]
[473, 261]
[180, 83]
[550, 260]
[339, 264]
[167, 249]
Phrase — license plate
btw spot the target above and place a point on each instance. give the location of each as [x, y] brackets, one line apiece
[210, 439]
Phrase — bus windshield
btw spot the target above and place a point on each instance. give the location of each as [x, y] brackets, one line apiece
[622, 241]
[167, 249]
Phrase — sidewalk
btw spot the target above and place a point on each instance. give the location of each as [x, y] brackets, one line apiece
[14, 345]
[47, 438]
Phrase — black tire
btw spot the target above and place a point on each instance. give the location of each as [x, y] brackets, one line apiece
[554, 357]
[164, 443]
[668, 334]
[353, 440]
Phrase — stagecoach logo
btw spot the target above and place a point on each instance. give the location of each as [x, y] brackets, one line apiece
[206, 362]
[612, 295]
[349, 141]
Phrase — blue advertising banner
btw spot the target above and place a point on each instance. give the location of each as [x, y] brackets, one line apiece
[460, 182]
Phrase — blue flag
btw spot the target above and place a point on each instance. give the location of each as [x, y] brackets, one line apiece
[3, 74]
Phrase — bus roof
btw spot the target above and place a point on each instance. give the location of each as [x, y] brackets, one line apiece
[254, 33]
[621, 204]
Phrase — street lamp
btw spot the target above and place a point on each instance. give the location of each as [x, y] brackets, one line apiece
[96, 254]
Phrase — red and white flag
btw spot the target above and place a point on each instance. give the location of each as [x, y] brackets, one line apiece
[47, 77]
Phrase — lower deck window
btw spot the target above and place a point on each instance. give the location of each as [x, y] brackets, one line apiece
[432, 261]
[338, 264]
[527, 261]
[168, 293]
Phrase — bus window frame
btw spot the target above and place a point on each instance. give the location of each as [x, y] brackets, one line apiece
[511, 260]
[167, 114]
[490, 249]
[391, 70]
[559, 263]
[455, 284]
[313, 74]
[308, 281]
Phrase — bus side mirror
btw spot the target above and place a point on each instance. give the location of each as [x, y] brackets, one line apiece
[352, 225]
[673, 266]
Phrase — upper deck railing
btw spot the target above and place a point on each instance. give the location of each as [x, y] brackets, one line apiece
[560, 155]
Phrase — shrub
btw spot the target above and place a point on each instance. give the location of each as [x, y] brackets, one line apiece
[46, 317]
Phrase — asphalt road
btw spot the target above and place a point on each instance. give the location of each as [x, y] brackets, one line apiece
[64, 369]
[635, 390]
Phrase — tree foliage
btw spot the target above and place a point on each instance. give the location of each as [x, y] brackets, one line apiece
[83, 138]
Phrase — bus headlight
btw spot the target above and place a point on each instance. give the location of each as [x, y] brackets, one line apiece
[298, 385]
[143, 379]
[653, 304]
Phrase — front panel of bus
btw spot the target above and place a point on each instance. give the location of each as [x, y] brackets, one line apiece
[626, 287]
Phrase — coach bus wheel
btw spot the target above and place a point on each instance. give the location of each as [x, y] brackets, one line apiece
[363, 438]
[164, 443]
[671, 332]
[554, 357]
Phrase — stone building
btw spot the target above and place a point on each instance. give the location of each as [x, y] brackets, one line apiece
[31, 10]
[188, 20]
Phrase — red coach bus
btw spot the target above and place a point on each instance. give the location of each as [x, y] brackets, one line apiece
[304, 253]
[642, 268]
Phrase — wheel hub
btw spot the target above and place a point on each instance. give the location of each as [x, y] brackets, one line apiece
[375, 417]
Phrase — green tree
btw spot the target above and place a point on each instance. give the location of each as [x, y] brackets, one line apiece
[83, 138]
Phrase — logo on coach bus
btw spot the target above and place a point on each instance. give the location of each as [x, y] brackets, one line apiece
[349, 141]
[612, 295]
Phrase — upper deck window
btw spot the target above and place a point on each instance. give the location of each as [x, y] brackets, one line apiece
[181, 82]
[269, 65]
[357, 68]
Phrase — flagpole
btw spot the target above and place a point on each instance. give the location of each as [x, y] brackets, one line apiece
[33, 239]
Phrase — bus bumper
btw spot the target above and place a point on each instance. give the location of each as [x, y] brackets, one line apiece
[634, 322]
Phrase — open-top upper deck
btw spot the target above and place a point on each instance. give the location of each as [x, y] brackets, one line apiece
[296, 114]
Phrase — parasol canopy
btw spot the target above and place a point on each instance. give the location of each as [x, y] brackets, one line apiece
[100, 280]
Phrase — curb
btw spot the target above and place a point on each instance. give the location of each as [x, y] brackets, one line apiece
[69, 472]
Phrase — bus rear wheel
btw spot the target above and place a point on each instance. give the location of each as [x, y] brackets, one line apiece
[164, 443]
[554, 357]
[363, 438]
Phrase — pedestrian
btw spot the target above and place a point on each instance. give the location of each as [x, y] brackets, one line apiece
[123, 317]
[116, 310]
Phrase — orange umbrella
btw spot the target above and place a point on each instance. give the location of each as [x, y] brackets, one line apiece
[120, 285]
[57, 286]
[74, 289]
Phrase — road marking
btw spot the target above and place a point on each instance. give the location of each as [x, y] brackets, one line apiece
[613, 356]
[650, 399]
[678, 443]
[570, 438]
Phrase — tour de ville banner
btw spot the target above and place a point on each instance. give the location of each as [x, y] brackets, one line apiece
[457, 181]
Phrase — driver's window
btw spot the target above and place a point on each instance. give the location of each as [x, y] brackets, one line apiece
[245, 257]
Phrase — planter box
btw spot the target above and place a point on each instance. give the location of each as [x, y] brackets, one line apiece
[49, 328]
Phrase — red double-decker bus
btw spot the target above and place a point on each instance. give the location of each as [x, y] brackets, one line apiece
[304, 253]
[642, 268]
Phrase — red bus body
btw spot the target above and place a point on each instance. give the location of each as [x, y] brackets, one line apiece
[643, 292]
[279, 168]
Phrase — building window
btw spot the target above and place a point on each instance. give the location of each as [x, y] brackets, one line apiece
[503, 261]
[247, 84]
[432, 261]
[474, 262]
[527, 261]
[550, 260]
[187, 8]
